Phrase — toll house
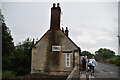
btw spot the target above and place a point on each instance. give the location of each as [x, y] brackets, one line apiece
[55, 52]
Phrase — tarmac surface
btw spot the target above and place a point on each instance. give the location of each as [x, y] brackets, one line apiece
[103, 71]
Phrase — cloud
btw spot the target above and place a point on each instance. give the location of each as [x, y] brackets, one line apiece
[91, 25]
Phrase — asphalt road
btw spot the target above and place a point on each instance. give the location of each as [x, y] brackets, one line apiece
[106, 71]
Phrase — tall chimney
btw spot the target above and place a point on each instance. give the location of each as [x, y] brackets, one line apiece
[55, 17]
[66, 31]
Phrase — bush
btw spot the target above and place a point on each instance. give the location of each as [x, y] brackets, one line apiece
[117, 62]
[114, 60]
[111, 60]
[8, 74]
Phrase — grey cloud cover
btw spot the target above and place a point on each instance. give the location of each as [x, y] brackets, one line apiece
[92, 25]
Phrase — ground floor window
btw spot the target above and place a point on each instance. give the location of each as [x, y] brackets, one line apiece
[67, 59]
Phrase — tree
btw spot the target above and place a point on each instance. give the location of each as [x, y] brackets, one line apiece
[104, 53]
[87, 53]
[16, 60]
[7, 41]
[7, 46]
[21, 58]
[19, 61]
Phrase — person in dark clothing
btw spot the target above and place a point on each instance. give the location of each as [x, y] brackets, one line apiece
[83, 64]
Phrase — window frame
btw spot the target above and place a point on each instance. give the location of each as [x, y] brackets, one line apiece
[67, 60]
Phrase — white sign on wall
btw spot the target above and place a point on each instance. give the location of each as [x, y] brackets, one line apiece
[56, 48]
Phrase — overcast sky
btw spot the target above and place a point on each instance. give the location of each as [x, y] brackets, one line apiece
[92, 25]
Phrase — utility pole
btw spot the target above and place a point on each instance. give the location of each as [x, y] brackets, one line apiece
[118, 40]
[118, 44]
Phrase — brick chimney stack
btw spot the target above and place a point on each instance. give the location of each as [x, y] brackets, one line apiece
[55, 17]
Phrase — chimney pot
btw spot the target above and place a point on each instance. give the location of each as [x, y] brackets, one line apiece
[66, 31]
[62, 29]
[58, 4]
[54, 4]
[66, 28]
